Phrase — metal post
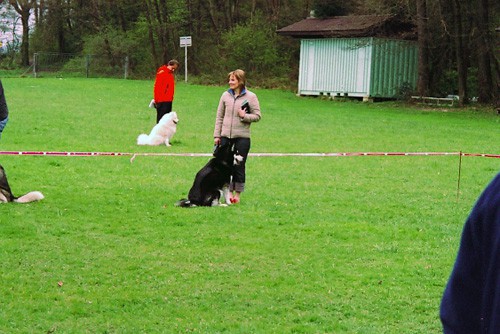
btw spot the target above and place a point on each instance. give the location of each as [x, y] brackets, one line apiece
[35, 60]
[87, 65]
[459, 174]
[185, 41]
[126, 68]
[186, 63]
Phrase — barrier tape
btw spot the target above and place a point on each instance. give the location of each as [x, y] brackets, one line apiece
[341, 154]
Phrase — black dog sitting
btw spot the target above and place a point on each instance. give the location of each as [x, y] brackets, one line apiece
[7, 196]
[212, 181]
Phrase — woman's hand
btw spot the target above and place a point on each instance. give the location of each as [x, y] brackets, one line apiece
[242, 113]
[217, 141]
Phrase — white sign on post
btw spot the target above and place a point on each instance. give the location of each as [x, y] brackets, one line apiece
[185, 42]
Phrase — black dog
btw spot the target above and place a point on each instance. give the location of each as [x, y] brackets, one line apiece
[212, 181]
[7, 196]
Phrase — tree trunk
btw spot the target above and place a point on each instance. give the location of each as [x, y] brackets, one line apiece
[460, 53]
[161, 19]
[423, 51]
[213, 11]
[23, 8]
[152, 43]
[486, 90]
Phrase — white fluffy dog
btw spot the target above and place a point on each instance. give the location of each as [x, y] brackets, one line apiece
[162, 132]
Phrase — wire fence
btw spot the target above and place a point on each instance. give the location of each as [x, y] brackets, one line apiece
[78, 65]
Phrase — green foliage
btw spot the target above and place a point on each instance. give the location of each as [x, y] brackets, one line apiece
[253, 47]
[51, 35]
[111, 42]
[113, 46]
[447, 83]
[405, 91]
[149, 30]
[317, 245]
[9, 61]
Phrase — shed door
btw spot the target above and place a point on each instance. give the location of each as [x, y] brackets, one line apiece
[362, 71]
[310, 67]
[306, 70]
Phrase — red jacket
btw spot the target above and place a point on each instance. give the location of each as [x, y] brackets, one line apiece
[164, 85]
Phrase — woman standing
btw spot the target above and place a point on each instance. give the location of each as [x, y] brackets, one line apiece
[238, 108]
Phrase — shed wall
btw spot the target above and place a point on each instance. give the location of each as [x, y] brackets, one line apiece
[359, 67]
[394, 66]
[334, 66]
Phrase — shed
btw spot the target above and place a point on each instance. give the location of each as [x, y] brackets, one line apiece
[368, 56]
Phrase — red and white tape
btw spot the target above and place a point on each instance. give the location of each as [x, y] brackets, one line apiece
[338, 154]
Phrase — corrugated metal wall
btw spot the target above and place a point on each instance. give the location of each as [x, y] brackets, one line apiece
[334, 66]
[394, 64]
[360, 67]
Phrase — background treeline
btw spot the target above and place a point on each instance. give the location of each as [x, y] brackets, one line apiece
[458, 41]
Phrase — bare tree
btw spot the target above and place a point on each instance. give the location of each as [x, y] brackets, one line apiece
[423, 43]
[157, 18]
[487, 92]
[23, 8]
[460, 52]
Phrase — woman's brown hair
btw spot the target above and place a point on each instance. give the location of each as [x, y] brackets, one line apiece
[240, 76]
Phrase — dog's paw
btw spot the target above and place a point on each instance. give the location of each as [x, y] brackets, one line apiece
[185, 203]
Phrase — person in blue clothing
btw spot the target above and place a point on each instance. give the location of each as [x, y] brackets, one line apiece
[471, 300]
[4, 111]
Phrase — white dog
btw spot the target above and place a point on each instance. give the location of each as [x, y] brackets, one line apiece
[162, 132]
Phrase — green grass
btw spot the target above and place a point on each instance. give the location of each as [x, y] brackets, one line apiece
[318, 244]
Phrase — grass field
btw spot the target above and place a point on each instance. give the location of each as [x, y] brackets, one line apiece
[317, 245]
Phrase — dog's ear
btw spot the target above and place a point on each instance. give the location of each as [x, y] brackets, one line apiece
[4, 184]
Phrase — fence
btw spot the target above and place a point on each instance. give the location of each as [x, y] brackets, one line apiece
[78, 65]
[341, 154]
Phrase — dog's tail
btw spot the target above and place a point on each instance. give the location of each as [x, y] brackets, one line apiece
[143, 139]
[30, 197]
[185, 203]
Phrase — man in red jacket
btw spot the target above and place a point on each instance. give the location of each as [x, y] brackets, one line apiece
[164, 88]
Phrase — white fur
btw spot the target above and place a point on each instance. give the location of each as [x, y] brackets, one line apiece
[226, 194]
[162, 132]
[30, 197]
[238, 159]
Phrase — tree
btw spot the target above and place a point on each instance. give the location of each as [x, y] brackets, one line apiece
[258, 54]
[423, 54]
[164, 19]
[487, 92]
[226, 32]
[23, 8]
[460, 52]
[328, 8]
